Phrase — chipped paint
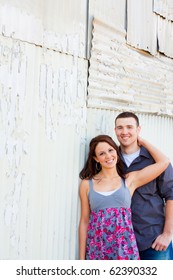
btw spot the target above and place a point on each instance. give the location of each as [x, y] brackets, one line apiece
[120, 77]
[43, 100]
[150, 26]
[47, 116]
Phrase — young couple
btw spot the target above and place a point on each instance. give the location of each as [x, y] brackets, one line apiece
[126, 198]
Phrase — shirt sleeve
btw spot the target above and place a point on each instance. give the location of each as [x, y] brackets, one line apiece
[165, 183]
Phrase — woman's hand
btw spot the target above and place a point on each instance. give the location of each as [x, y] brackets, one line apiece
[140, 141]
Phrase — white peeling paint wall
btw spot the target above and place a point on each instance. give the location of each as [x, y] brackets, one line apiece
[50, 109]
[43, 85]
[54, 24]
[150, 25]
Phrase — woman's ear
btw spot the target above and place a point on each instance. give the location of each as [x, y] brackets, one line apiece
[95, 159]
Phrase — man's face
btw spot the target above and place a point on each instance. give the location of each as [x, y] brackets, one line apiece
[127, 131]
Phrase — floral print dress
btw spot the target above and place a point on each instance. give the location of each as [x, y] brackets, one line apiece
[110, 230]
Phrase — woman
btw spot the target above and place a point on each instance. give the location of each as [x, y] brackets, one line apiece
[105, 230]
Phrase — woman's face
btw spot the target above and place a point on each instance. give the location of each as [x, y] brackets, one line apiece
[106, 155]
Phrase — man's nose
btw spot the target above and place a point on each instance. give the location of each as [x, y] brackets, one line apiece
[125, 130]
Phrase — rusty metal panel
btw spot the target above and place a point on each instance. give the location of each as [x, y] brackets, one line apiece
[54, 24]
[121, 77]
[42, 135]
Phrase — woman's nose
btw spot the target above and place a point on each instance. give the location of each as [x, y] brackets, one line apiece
[108, 155]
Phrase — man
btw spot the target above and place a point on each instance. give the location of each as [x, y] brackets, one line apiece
[152, 204]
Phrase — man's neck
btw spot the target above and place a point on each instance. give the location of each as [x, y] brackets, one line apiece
[129, 149]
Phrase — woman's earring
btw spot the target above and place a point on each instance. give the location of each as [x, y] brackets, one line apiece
[97, 166]
[118, 160]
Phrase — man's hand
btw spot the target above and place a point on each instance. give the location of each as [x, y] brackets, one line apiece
[162, 242]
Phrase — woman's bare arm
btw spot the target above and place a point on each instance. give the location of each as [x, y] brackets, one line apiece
[84, 219]
[136, 179]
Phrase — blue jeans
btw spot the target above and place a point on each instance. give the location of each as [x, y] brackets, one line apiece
[151, 254]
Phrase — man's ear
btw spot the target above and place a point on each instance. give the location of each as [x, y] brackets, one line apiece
[139, 129]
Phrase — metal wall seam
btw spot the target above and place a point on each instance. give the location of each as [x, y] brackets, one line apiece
[164, 8]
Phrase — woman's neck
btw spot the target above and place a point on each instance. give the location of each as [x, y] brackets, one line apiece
[108, 173]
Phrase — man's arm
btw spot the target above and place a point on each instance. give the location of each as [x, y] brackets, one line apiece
[165, 186]
[163, 240]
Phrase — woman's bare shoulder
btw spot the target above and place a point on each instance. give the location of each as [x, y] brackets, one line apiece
[84, 184]
[84, 187]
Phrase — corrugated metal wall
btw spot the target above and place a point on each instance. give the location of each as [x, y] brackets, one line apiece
[150, 25]
[47, 51]
[120, 77]
[43, 86]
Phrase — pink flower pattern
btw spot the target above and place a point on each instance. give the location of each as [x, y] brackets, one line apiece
[111, 235]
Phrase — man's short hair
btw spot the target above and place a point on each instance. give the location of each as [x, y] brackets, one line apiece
[127, 115]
